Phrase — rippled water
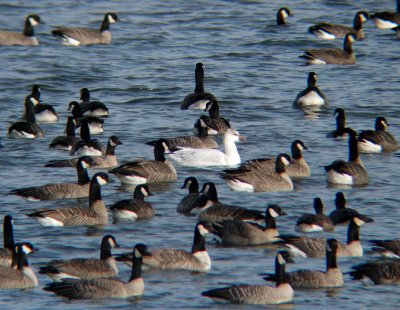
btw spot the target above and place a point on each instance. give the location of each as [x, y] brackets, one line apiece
[252, 66]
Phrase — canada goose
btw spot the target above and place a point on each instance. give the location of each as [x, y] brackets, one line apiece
[388, 248]
[109, 160]
[86, 145]
[199, 98]
[378, 140]
[95, 214]
[260, 180]
[258, 294]
[21, 278]
[66, 142]
[145, 171]
[385, 272]
[187, 203]
[201, 141]
[281, 16]
[188, 157]
[105, 287]
[313, 279]
[86, 36]
[9, 244]
[216, 125]
[60, 190]
[239, 233]
[27, 36]
[387, 20]
[136, 209]
[328, 31]
[44, 113]
[209, 209]
[92, 108]
[27, 129]
[342, 215]
[85, 268]
[340, 131]
[315, 247]
[351, 172]
[315, 222]
[336, 56]
[95, 123]
[172, 259]
[312, 95]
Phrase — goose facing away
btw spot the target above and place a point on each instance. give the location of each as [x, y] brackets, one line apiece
[94, 215]
[66, 142]
[342, 215]
[239, 233]
[136, 208]
[315, 222]
[328, 31]
[314, 279]
[86, 145]
[336, 56]
[27, 37]
[387, 20]
[351, 172]
[105, 287]
[92, 108]
[86, 36]
[60, 190]
[174, 259]
[96, 125]
[340, 130]
[27, 129]
[44, 113]
[281, 16]
[312, 95]
[258, 294]
[378, 140]
[144, 171]
[188, 157]
[105, 267]
[215, 124]
[199, 98]
[385, 272]
[187, 203]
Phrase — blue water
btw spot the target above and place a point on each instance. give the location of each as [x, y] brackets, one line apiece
[252, 67]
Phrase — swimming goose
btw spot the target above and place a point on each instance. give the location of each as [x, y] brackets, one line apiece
[95, 214]
[388, 248]
[27, 37]
[260, 180]
[315, 247]
[44, 113]
[336, 56]
[386, 272]
[201, 141]
[340, 131]
[173, 259]
[92, 108]
[60, 190]
[342, 215]
[136, 208]
[27, 129]
[22, 277]
[85, 268]
[328, 31]
[387, 20]
[351, 172]
[95, 123]
[313, 279]
[378, 140]
[239, 233]
[86, 145]
[188, 157]
[186, 204]
[281, 16]
[258, 294]
[105, 287]
[199, 98]
[86, 36]
[66, 142]
[312, 95]
[315, 222]
[215, 124]
[145, 171]
[109, 160]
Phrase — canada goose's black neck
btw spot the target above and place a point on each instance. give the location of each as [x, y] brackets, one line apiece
[85, 95]
[85, 131]
[312, 80]
[353, 148]
[83, 176]
[270, 222]
[202, 132]
[279, 165]
[28, 28]
[136, 267]
[379, 124]
[137, 193]
[29, 111]
[318, 206]
[110, 150]
[22, 260]
[199, 78]
[70, 128]
[76, 109]
[8, 234]
[105, 24]
[159, 151]
[340, 121]
[348, 45]
[357, 23]
[199, 242]
[340, 201]
[214, 110]
[296, 152]
[36, 92]
[331, 258]
[398, 6]
[353, 232]
[105, 250]
[212, 193]
[280, 19]
[280, 270]
[94, 191]
[194, 187]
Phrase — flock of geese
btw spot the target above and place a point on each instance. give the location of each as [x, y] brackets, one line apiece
[231, 225]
